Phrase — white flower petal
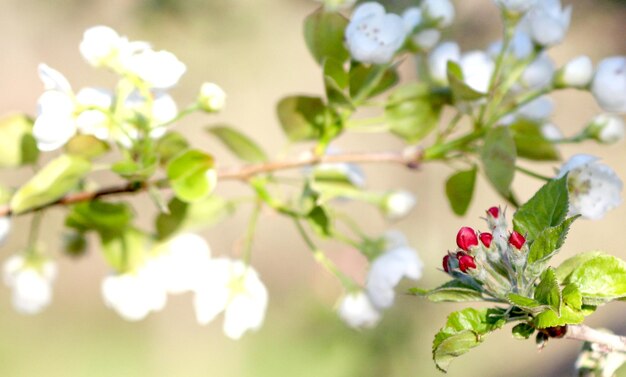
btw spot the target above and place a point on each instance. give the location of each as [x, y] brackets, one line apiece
[53, 79]
[399, 204]
[609, 84]
[578, 72]
[159, 69]
[357, 311]
[438, 60]
[441, 11]
[100, 43]
[5, 228]
[477, 69]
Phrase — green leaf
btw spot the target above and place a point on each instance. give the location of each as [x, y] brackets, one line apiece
[190, 216]
[410, 113]
[599, 277]
[370, 81]
[333, 69]
[522, 331]
[136, 171]
[74, 244]
[320, 221]
[53, 181]
[463, 331]
[302, 117]
[530, 143]
[498, 156]
[124, 252]
[547, 208]
[549, 241]
[549, 318]
[452, 291]
[17, 145]
[460, 189]
[238, 143]
[323, 33]
[190, 177]
[460, 90]
[527, 304]
[102, 217]
[548, 292]
[170, 145]
[572, 296]
[87, 146]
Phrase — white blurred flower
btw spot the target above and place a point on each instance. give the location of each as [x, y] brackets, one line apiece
[357, 311]
[539, 73]
[99, 44]
[439, 11]
[134, 295]
[426, 39]
[158, 69]
[5, 228]
[94, 121]
[161, 108]
[439, 58]
[373, 36]
[607, 128]
[411, 17]
[516, 6]
[609, 84]
[477, 68]
[182, 262]
[594, 188]
[353, 173]
[577, 73]
[521, 46]
[388, 269]
[548, 22]
[538, 109]
[212, 98]
[398, 204]
[31, 284]
[551, 132]
[234, 288]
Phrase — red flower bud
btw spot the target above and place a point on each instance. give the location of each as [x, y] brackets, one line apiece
[465, 261]
[486, 239]
[446, 266]
[517, 240]
[466, 238]
[494, 212]
[556, 331]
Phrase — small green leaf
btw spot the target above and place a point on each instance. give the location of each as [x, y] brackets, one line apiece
[333, 69]
[549, 318]
[323, 33]
[17, 145]
[125, 251]
[238, 143]
[452, 291]
[530, 143]
[547, 208]
[548, 242]
[460, 90]
[410, 113]
[75, 244]
[370, 81]
[135, 171]
[170, 145]
[526, 303]
[572, 296]
[320, 221]
[498, 156]
[600, 277]
[460, 189]
[54, 180]
[548, 292]
[102, 217]
[86, 146]
[190, 216]
[522, 331]
[569, 265]
[189, 175]
[302, 117]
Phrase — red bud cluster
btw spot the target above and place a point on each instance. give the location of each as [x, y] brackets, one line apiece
[466, 238]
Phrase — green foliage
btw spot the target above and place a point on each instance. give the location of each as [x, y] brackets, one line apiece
[410, 112]
[320, 221]
[530, 142]
[527, 304]
[548, 291]
[548, 244]
[124, 251]
[137, 170]
[17, 145]
[241, 145]
[302, 118]
[460, 90]
[170, 145]
[189, 175]
[323, 33]
[100, 216]
[87, 146]
[336, 80]
[54, 180]
[452, 291]
[599, 277]
[498, 157]
[370, 81]
[522, 331]
[460, 189]
[188, 216]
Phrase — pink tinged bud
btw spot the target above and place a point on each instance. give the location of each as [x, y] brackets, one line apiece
[465, 261]
[466, 238]
[446, 265]
[486, 239]
[494, 212]
[517, 240]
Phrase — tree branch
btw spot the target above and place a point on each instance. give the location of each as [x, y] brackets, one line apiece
[610, 342]
[410, 158]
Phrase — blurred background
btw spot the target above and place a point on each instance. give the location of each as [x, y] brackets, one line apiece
[255, 51]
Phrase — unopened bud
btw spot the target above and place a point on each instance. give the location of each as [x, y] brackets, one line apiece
[446, 263]
[517, 240]
[606, 128]
[212, 98]
[556, 331]
[466, 238]
[494, 212]
[486, 239]
[577, 73]
[466, 261]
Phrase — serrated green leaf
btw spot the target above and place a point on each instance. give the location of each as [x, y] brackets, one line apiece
[189, 176]
[522, 331]
[86, 146]
[102, 217]
[572, 296]
[238, 143]
[54, 180]
[410, 113]
[460, 189]
[17, 145]
[528, 304]
[498, 157]
[452, 291]
[547, 208]
[600, 279]
[530, 143]
[190, 216]
[548, 292]
[463, 331]
[302, 117]
[460, 90]
[170, 145]
[323, 33]
[570, 264]
[549, 318]
[549, 242]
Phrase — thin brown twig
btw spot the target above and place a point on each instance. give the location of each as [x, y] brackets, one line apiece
[410, 159]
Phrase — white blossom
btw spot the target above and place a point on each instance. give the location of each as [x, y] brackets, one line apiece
[5, 228]
[439, 58]
[439, 11]
[539, 73]
[398, 204]
[609, 84]
[521, 46]
[388, 269]
[547, 22]
[373, 36]
[427, 38]
[594, 188]
[357, 311]
[234, 288]
[551, 132]
[94, 120]
[135, 294]
[516, 6]
[182, 262]
[577, 73]
[158, 69]
[538, 109]
[212, 98]
[477, 68]
[411, 17]
[607, 128]
[31, 283]
[161, 109]
[99, 44]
